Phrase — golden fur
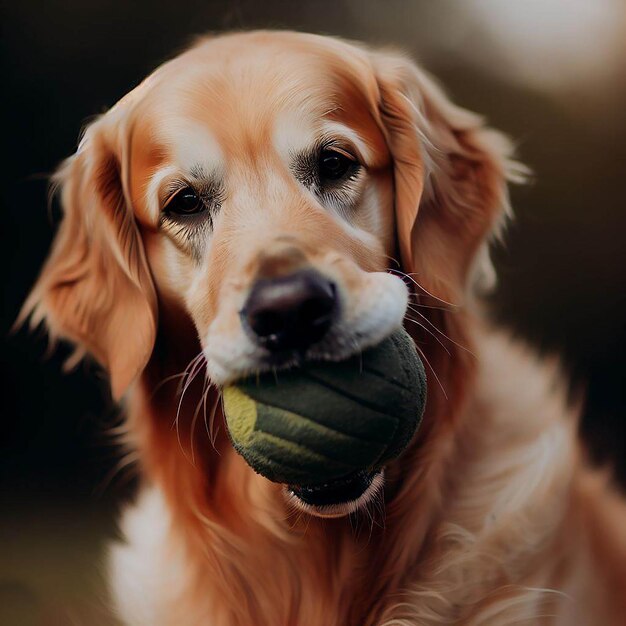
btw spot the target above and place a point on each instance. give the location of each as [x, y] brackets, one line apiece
[492, 515]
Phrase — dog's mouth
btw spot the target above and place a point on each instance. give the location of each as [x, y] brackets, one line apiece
[337, 498]
[324, 430]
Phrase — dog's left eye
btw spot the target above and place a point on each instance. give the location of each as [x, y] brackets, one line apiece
[185, 202]
[334, 165]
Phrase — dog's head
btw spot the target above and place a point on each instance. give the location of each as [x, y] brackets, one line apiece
[264, 183]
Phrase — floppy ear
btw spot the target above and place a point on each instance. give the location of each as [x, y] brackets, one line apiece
[450, 176]
[95, 288]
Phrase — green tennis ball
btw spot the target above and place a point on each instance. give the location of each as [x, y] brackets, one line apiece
[327, 420]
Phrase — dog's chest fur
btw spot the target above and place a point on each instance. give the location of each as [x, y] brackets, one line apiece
[504, 547]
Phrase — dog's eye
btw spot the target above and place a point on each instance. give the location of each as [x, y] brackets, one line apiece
[185, 202]
[333, 165]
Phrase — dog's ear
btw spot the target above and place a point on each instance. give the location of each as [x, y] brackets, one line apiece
[95, 289]
[450, 179]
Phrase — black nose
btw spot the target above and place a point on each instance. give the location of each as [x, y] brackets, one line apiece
[290, 312]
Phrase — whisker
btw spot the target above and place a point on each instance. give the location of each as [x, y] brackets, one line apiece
[432, 370]
[194, 368]
[196, 413]
[432, 306]
[212, 418]
[430, 332]
[410, 277]
[189, 371]
[220, 401]
[205, 395]
[166, 380]
[441, 332]
[393, 260]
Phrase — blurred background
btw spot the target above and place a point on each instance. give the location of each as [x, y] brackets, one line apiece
[551, 73]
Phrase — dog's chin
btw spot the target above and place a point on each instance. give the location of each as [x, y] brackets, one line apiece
[337, 498]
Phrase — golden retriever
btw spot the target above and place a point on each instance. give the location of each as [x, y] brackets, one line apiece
[273, 155]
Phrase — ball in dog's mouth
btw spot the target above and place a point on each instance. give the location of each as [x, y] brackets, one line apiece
[339, 497]
[327, 429]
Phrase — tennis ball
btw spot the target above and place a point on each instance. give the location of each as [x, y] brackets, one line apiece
[324, 420]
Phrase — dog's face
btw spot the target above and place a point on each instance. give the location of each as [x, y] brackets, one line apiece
[265, 191]
[263, 184]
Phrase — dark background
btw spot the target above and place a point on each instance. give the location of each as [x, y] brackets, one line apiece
[560, 93]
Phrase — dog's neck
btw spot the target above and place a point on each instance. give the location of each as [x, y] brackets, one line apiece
[256, 559]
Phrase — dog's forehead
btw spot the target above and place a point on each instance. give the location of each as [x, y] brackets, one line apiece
[241, 94]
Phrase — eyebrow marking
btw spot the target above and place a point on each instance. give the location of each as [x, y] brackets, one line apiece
[341, 130]
[193, 144]
[154, 186]
[294, 132]
[295, 135]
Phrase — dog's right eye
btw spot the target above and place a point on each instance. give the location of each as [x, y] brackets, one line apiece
[334, 165]
[186, 201]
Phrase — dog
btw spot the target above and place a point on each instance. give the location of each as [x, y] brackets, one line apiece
[270, 156]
